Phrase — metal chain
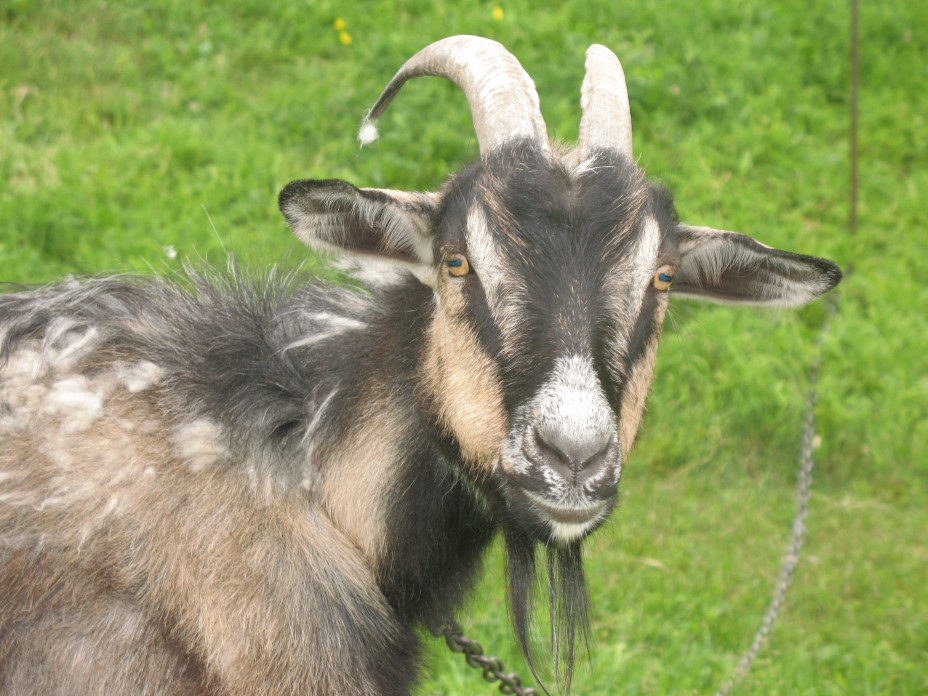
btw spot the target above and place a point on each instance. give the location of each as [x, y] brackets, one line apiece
[797, 535]
[808, 434]
[493, 669]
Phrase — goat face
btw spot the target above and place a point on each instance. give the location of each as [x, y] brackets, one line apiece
[550, 275]
[554, 255]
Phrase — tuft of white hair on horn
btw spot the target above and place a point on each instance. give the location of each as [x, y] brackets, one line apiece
[368, 132]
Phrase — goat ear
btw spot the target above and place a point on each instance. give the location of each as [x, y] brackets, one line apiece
[735, 269]
[373, 224]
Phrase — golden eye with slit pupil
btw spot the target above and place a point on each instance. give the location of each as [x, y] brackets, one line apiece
[457, 265]
[663, 278]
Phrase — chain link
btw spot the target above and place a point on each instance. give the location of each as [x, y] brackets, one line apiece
[492, 667]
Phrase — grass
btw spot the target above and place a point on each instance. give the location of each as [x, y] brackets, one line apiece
[132, 128]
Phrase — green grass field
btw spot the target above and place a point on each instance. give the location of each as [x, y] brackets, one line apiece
[130, 129]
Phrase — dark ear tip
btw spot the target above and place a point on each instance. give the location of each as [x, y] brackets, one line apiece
[291, 191]
[831, 271]
[307, 187]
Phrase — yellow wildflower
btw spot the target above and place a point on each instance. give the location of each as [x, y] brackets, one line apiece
[498, 13]
[339, 24]
[345, 38]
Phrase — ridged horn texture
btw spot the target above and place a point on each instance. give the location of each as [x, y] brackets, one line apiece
[501, 95]
[607, 120]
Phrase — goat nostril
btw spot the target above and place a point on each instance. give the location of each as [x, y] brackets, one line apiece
[541, 450]
[597, 462]
[548, 448]
[574, 459]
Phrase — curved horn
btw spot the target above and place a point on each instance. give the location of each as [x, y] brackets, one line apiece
[607, 120]
[501, 95]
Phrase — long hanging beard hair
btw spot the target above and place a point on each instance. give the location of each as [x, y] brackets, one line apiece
[568, 601]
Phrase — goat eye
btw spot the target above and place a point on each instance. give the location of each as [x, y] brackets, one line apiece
[663, 278]
[457, 265]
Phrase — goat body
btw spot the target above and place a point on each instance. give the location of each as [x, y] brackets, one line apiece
[266, 485]
[227, 484]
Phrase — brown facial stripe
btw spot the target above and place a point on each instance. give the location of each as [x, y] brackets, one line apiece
[465, 383]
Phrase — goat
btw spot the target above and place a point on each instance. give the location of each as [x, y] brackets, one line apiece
[260, 484]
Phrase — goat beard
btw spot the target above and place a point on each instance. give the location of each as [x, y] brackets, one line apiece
[568, 600]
